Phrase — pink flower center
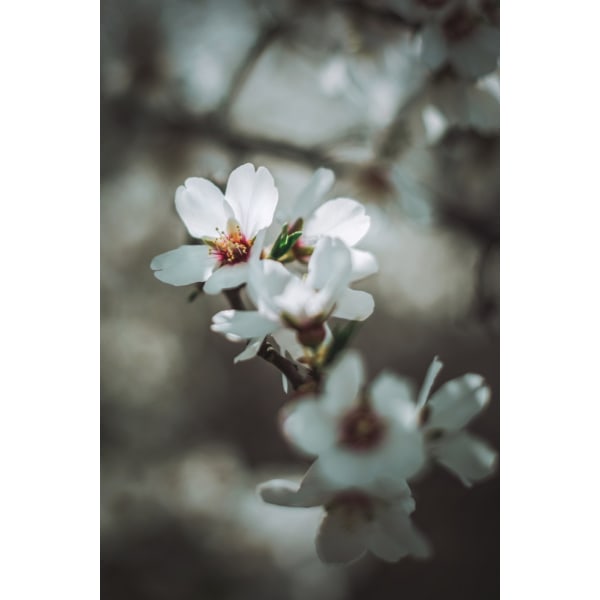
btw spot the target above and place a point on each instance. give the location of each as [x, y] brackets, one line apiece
[361, 429]
[231, 248]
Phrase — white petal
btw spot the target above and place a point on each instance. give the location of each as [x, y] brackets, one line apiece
[312, 195]
[466, 455]
[393, 397]
[226, 277]
[341, 218]
[309, 427]
[287, 341]
[433, 46]
[397, 524]
[342, 536]
[267, 279]
[244, 324]
[330, 266]
[394, 491]
[354, 305]
[202, 207]
[343, 383]
[397, 459]
[384, 545]
[253, 198]
[250, 351]
[312, 491]
[457, 402]
[184, 265]
[363, 264]
[432, 372]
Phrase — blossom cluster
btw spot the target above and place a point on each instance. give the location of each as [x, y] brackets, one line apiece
[367, 440]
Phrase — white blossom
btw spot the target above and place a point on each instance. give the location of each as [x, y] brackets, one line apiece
[339, 218]
[227, 224]
[293, 309]
[358, 435]
[357, 520]
[442, 418]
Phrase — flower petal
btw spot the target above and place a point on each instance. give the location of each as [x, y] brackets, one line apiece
[343, 383]
[457, 402]
[308, 427]
[253, 197]
[397, 524]
[363, 264]
[312, 195]
[226, 277]
[202, 207]
[312, 491]
[467, 456]
[393, 398]
[354, 305]
[330, 266]
[341, 218]
[250, 351]
[432, 372]
[184, 265]
[342, 536]
[243, 324]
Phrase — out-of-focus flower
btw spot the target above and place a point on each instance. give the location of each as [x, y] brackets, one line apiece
[359, 436]
[340, 218]
[465, 40]
[442, 418]
[357, 520]
[227, 224]
[287, 302]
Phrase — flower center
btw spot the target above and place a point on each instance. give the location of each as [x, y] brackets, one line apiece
[354, 506]
[361, 429]
[231, 248]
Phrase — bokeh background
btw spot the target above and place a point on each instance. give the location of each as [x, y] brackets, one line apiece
[195, 88]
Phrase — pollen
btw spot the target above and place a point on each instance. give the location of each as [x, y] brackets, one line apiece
[231, 248]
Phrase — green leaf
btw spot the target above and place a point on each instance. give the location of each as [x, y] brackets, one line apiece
[284, 243]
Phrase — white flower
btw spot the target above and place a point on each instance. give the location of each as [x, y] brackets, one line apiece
[227, 224]
[442, 418]
[359, 436]
[340, 218]
[463, 39]
[357, 520]
[287, 303]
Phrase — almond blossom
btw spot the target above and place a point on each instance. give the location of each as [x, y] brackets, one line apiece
[442, 417]
[288, 304]
[357, 520]
[227, 225]
[358, 435]
[340, 218]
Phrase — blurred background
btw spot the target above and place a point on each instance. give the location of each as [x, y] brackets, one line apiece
[196, 88]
